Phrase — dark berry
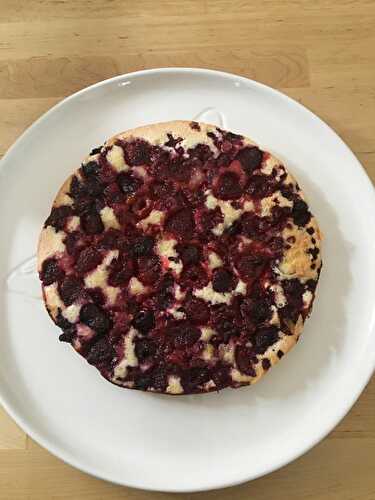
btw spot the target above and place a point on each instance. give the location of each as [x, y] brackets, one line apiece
[161, 189]
[200, 151]
[256, 311]
[244, 360]
[92, 223]
[280, 354]
[93, 186]
[110, 239]
[113, 194]
[142, 246]
[208, 219]
[97, 295]
[300, 213]
[184, 334]
[83, 204]
[95, 151]
[62, 322]
[50, 272]
[197, 311]
[266, 364]
[121, 270]
[137, 152]
[230, 136]
[159, 379]
[142, 382]
[228, 187]
[144, 321]
[254, 226]
[165, 295]
[58, 216]
[193, 276]
[220, 375]
[234, 229]
[144, 348]
[73, 243]
[225, 325]
[311, 285]
[250, 158]
[94, 317]
[261, 186]
[128, 183]
[148, 269]
[287, 192]
[68, 335]
[250, 266]
[194, 377]
[265, 337]
[181, 223]
[180, 170]
[100, 353]
[76, 188]
[190, 254]
[88, 260]
[223, 280]
[90, 168]
[70, 289]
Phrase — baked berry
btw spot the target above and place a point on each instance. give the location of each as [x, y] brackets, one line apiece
[250, 158]
[51, 272]
[223, 280]
[70, 289]
[92, 223]
[95, 317]
[142, 246]
[228, 187]
[88, 259]
[128, 183]
[144, 321]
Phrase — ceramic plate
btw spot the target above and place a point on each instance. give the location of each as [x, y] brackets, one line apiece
[201, 442]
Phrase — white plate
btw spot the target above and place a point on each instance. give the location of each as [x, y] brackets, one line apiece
[192, 442]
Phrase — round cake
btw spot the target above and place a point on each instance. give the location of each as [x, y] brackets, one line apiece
[180, 258]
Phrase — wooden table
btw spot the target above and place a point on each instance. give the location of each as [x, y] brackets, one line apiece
[320, 52]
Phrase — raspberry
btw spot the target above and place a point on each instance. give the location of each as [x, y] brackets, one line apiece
[144, 321]
[223, 280]
[244, 360]
[128, 183]
[94, 317]
[250, 158]
[58, 217]
[300, 213]
[100, 353]
[228, 187]
[50, 272]
[70, 289]
[144, 348]
[88, 259]
[265, 337]
[92, 223]
[137, 152]
[181, 223]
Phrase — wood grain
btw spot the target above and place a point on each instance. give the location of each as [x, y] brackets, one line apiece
[320, 53]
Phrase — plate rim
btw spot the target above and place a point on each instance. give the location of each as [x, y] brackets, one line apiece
[65, 456]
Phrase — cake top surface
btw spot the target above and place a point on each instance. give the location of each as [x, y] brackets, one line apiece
[180, 258]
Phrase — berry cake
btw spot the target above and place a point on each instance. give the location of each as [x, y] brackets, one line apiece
[180, 258]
